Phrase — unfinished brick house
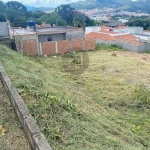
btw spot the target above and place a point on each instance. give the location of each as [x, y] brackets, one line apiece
[47, 40]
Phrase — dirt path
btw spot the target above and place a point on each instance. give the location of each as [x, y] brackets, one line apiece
[14, 138]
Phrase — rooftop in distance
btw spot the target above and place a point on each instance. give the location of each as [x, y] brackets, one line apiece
[43, 29]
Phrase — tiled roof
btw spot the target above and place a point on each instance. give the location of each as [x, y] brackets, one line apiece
[107, 32]
[101, 36]
[127, 36]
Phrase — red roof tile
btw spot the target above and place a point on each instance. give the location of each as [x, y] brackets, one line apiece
[108, 32]
[95, 35]
[127, 37]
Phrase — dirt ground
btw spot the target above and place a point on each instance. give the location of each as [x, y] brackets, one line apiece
[14, 138]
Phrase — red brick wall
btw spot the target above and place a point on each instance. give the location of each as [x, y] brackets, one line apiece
[89, 44]
[48, 48]
[29, 47]
[63, 46]
[77, 44]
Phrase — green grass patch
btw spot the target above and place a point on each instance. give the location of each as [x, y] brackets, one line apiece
[98, 109]
[108, 47]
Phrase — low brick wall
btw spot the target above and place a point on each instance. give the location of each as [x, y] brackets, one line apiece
[30, 47]
[35, 137]
[89, 44]
[48, 48]
[57, 47]
[63, 47]
[77, 44]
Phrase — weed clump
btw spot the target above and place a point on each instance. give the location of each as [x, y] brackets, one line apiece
[141, 94]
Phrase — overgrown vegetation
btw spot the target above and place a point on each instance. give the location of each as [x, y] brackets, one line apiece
[108, 47]
[96, 110]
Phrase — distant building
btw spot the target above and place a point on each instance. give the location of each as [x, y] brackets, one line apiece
[114, 24]
[130, 38]
[45, 32]
[123, 20]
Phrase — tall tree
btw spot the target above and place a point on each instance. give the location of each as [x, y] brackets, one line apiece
[16, 6]
[66, 12]
[79, 20]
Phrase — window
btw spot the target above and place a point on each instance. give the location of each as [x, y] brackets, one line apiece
[49, 38]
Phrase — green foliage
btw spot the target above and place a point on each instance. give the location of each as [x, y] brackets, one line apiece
[108, 47]
[73, 17]
[52, 18]
[141, 94]
[65, 12]
[141, 22]
[16, 6]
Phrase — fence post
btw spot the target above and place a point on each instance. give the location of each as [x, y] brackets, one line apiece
[71, 49]
[83, 44]
[56, 46]
[37, 45]
[40, 48]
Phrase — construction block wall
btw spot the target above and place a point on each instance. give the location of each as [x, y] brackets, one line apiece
[57, 47]
[89, 44]
[29, 47]
[77, 44]
[48, 48]
[63, 46]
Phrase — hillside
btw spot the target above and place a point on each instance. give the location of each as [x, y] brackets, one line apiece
[140, 6]
[100, 3]
[136, 6]
[105, 107]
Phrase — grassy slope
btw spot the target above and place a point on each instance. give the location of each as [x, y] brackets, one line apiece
[94, 110]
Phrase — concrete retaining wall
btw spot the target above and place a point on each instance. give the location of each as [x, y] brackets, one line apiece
[35, 137]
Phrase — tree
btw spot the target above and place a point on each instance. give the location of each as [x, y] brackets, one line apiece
[19, 22]
[79, 20]
[2, 6]
[16, 6]
[66, 12]
[52, 18]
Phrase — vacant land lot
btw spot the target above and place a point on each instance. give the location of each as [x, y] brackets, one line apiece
[105, 107]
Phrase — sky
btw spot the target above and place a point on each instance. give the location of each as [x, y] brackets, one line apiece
[43, 3]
